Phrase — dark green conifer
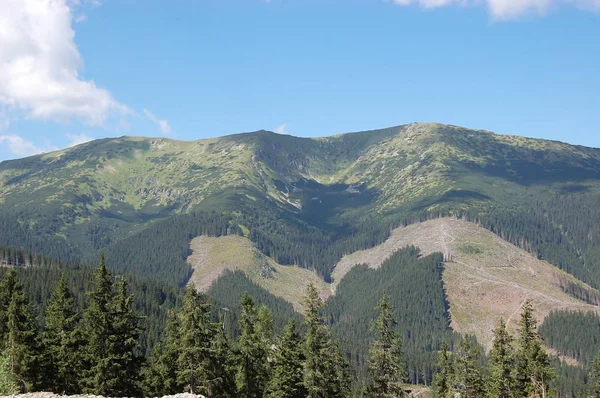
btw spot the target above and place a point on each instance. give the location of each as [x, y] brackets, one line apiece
[111, 333]
[595, 377]
[534, 372]
[8, 385]
[223, 366]
[160, 377]
[63, 341]
[385, 368]
[127, 362]
[20, 341]
[287, 379]
[442, 382]
[325, 368]
[195, 361]
[501, 364]
[253, 366]
[468, 381]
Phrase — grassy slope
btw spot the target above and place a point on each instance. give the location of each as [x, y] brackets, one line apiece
[212, 256]
[486, 277]
[108, 188]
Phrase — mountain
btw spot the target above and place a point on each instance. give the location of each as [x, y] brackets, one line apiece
[331, 195]
[459, 226]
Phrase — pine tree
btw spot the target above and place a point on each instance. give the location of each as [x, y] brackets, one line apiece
[8, 385]
[63, 341]
[534, 373]
[160, 377]
[21, 345]
[127, 363]
[111, 334]
[467, 380]
[287, 379]
[442, 384]
[501, 364]
[325, 369]
[223, 366]
[595, 377]
[253, 370]
[194, 364]
[385, 368]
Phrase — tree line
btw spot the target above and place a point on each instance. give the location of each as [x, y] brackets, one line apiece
[98, 352]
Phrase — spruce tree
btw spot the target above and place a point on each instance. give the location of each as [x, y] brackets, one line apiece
[253, 367]
[63, 341]
[160, 377]
[501, 363]
[111, 334]
[467, 380]
[385, 368]
[223, 366]
[21, 345]
[325, 368]
[287, 380]
[127, 362]
[8, 385]
[195, 364]
[534, 372]
[442, 382]
[595, 377]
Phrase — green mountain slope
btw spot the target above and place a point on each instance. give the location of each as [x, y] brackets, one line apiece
[329, 196]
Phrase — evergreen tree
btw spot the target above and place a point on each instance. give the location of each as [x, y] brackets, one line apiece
[287, 379]
[253, 368]
[111, 335]
[534, 373]
[442, 383]
[196, 363]
[223, 366]
[21, 345]
[595, 377]
[63, 341]
[8, 385]
[160, 377]
[467, 380]
[127, 363]
[501, 364]
[385, 367]
[325, 371]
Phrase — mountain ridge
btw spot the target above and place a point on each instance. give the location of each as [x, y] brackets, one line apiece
[96, 194]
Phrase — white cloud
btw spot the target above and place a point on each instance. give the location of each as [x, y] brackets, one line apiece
[281, 129]
[508, 9]
[77, 139]
[165, 128]
[40, 65]
[19, 146]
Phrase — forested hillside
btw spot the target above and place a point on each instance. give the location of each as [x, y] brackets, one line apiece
[329, 196]
[314, 203]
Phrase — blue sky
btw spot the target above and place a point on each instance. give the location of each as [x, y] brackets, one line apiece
[74, 70]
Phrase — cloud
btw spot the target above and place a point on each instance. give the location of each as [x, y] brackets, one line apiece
[40, 65]
[508, 9]
[19, 146]
[165, 128]
[281, 129]
[80, 18]
[77, 139]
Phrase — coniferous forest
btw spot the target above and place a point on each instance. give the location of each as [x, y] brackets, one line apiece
[71, 329]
